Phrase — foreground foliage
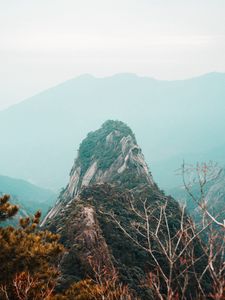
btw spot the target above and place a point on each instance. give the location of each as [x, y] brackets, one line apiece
[28, 257]
[183, 260]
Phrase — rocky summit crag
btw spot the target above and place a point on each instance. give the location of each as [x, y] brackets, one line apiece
[108, 172]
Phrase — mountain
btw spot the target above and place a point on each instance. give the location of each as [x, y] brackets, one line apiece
[170, 118]
[108, 174]
[102, 157]
[29, 197]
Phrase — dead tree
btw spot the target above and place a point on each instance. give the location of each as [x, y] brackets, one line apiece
[172, 252]
[213, 242]
[199, 176]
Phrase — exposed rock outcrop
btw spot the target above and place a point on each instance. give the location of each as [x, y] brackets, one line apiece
[105, 156]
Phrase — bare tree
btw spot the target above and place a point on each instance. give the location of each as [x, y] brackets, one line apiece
[187, 261]
[213, 242]
[106, 278]
[171, 252]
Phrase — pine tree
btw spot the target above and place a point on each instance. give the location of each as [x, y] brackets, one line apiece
[28, 257]
[7, 210]
[28, 269]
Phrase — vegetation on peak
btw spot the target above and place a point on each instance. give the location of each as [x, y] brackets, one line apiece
[112, 125]
[95, 145]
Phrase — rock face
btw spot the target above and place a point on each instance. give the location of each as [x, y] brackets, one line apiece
[105, 156]
[109, 170]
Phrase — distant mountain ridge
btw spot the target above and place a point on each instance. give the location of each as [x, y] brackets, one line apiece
[27, 196]
[169, 117]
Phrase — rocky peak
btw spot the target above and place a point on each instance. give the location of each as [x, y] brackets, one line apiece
[108, 174]
[108, 155]
[105, 155]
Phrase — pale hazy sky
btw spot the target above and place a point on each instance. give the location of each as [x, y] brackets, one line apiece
[45, 42]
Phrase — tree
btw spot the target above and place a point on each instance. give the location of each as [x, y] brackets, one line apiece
[28, 269]
[103, 284]
[187, 259]
[198, 176]
[172, 253]
[213, 235]
[28, 257]
[7, 210]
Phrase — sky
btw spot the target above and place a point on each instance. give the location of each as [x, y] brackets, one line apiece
[46, 42]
